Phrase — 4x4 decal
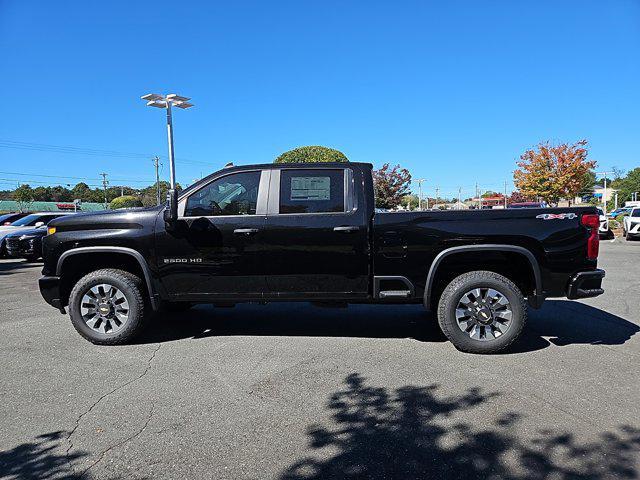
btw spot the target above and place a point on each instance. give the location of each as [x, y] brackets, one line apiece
[557, 216]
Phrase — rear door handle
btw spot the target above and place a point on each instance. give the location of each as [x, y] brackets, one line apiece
[245, 231]
[346, 229]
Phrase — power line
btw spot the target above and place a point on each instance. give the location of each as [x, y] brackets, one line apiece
[43, 147]
[71, 178]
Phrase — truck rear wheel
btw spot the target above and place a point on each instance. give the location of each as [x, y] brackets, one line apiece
[107, 306]
[482, 312]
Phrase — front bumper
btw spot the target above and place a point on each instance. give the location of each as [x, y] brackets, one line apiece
[50, 291]
[586, 284]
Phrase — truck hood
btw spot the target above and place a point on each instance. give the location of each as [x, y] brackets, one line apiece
[107, 219]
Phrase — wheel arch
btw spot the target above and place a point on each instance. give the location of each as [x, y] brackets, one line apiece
[534, 300]
[130, 253]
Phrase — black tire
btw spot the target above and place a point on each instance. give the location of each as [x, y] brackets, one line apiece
[131, 287]
[454, 293]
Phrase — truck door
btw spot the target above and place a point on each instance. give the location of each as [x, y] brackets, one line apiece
[217, 248]
[316, 235]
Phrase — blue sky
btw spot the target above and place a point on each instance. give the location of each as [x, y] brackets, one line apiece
[454, 91]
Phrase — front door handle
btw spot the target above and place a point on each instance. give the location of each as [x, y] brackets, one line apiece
[346, 229]
[245, 231]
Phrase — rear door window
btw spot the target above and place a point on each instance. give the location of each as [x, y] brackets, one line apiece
[312, 191]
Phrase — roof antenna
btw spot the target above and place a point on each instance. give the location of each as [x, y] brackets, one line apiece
[228, 165]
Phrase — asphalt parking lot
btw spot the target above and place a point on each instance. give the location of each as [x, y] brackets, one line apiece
[298, 392]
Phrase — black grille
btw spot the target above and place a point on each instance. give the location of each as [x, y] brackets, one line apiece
[13, 243]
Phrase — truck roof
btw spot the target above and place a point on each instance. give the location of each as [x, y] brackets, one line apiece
[264, 166]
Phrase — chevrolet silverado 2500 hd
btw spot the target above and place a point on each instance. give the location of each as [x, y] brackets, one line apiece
[309, 232]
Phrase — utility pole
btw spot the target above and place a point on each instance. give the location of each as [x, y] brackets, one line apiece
[604, 194]
[105, 182]
[459, 193]
[156, 161]
[122, 190]
[615, 207]
[505, 194]
[420, 180]
[478, 197]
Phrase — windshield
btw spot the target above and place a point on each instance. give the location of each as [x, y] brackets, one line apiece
[27, 221]
[635, 212]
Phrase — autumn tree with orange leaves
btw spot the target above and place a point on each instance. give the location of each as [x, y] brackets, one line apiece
[552, 172]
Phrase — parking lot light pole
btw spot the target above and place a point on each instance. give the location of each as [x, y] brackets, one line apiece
[166, 102]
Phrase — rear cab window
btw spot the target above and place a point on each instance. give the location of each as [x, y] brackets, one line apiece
[312, 191]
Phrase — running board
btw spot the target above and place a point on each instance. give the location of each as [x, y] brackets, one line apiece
[394, 294]
[394, 287]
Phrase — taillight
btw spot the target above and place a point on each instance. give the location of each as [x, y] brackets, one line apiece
[592, 222]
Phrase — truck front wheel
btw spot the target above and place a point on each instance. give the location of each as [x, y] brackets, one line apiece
[107, 306]
[482, 312]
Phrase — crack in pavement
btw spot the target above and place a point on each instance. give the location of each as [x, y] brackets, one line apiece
[119, 444]
[94, 404]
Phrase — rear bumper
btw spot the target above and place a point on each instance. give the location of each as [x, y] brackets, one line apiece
[50, 291]
[586, 284]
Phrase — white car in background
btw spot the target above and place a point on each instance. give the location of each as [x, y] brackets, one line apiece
[631, 224]
[604, 224]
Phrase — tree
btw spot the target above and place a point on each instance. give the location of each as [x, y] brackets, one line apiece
[311, 154]
[517, 197]
[628, 185]
[390, 185]
[82, 191]
[24, 196]
[553, 172]
[126, 201]
[148, 194]
[410, 201]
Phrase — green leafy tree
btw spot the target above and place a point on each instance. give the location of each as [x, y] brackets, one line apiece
[83, 192]
[410, 201]
[126, 201]
[24, 196]
[311, 154]
[628, 185]
[41, 194]
[390, 185]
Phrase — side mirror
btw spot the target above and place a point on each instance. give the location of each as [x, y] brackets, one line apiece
[39, 224]
[171, 210]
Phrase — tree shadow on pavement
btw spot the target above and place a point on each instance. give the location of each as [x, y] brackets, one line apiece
[38, 459]
[414, 433]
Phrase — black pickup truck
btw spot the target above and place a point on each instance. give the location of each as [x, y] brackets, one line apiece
[309, 232]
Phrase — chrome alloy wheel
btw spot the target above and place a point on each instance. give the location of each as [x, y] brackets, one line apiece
[104, 309]
[484, 314]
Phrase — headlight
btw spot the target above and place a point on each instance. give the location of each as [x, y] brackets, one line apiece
[51, 230]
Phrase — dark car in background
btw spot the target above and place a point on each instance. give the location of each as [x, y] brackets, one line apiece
[9, 218]
[26, 243]
[26, 223]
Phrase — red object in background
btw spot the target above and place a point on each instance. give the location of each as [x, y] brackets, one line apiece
[67, 206]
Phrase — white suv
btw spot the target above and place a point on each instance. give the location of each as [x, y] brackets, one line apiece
[604, 224]
[631, 224]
